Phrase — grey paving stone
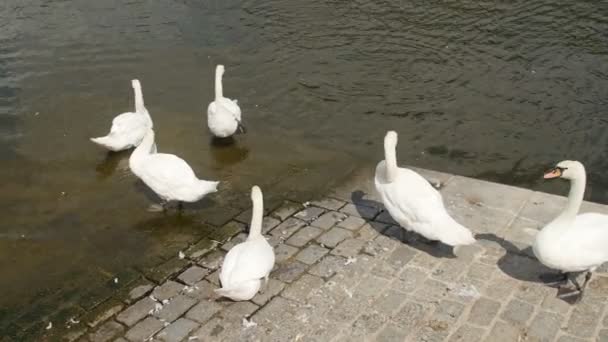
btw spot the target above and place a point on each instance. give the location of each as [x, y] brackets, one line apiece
[334, 236]
[284, 252]
[288, 272]
[506, 332]
[367, 324]
[552, 303]
[329, 203]
[348, 248]
[106, 332]
[410, 316]
[448, 311]
[309, 214]
[545, 326]
[385, 217]
[177, 331]
[200, 249]
[268, 223]
[214, 278]
[213, 260]
[567, 338]
[517, 312]
[389, 302]
[285, 210]
[273, 288]
[167, 290]
[370, 231]
[144, 329]
[603, 335]
[467, 333]
[328, 220]
[360, 211]
[401, 256]
[203, 311]
[488, 194]
[303, 236]
[301, 288]
[234, 241]
[140, 291]
[431, 290]
[102, 312]
[480, 271]
[193, 274]
[287, 228]
[311, 254]
[432, 331]
[585, 317]
[352, 223]
[202, 290]
[136, 312]
[532, 293]
[409, 280]
[483, 311]
[175, 308]
[238, 311]
[392, 333]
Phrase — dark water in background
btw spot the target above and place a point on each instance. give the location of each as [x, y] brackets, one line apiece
[497, 90]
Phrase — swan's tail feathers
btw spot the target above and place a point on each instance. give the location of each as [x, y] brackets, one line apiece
[108, 143]
[208, 187]
[457, 234]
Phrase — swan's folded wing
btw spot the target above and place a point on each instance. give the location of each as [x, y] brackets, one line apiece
[416, 201]
[230, 263]
[255, 261]
[590, 234]
[168, 169]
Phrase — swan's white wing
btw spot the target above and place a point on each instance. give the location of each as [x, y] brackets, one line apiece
[230, 262]
[255, 260]
[413, 203]
[130, 127]
[167, 174]
[589, 235]
[231, 107]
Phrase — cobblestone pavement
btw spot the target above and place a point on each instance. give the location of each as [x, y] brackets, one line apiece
[346, 272]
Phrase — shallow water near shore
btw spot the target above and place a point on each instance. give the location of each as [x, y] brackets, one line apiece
[498, 91]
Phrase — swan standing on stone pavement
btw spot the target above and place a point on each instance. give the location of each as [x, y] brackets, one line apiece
[171, 178]
[248, 262]
[413, 202]
[571, 242]
[128, 129]
[223, 114]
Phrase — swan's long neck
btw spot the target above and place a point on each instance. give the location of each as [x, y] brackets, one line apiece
[141, 151]
[390, 157]
[255, 230]
[139, 101]
[218, 85]
[575, 199]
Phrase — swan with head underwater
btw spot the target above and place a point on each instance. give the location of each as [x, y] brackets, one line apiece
[171, 178]
[128, 129]
[248, 262]
[413, 202]
[571, 242]
[223, 114]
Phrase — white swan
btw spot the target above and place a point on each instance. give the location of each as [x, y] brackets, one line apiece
[169, 176]
[250, 261]
[223, 114]
[571, 242]
[128, 129]
[413, 202]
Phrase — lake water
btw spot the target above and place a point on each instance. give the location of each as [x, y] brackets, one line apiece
[496, 90]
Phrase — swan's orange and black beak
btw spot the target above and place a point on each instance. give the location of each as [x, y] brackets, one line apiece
[555, 172]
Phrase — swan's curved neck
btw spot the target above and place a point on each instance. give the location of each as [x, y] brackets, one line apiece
[390, 157]
[255, 229]
[575, 199]
[218, 85]
[142, 150]
[139, 100]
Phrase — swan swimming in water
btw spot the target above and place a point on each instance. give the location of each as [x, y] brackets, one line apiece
[571, 242]
[128, 129]
[171, 178]
[248, 262]
[223, 114]
[413, 202]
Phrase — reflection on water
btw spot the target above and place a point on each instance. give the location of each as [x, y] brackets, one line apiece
[496, 90]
